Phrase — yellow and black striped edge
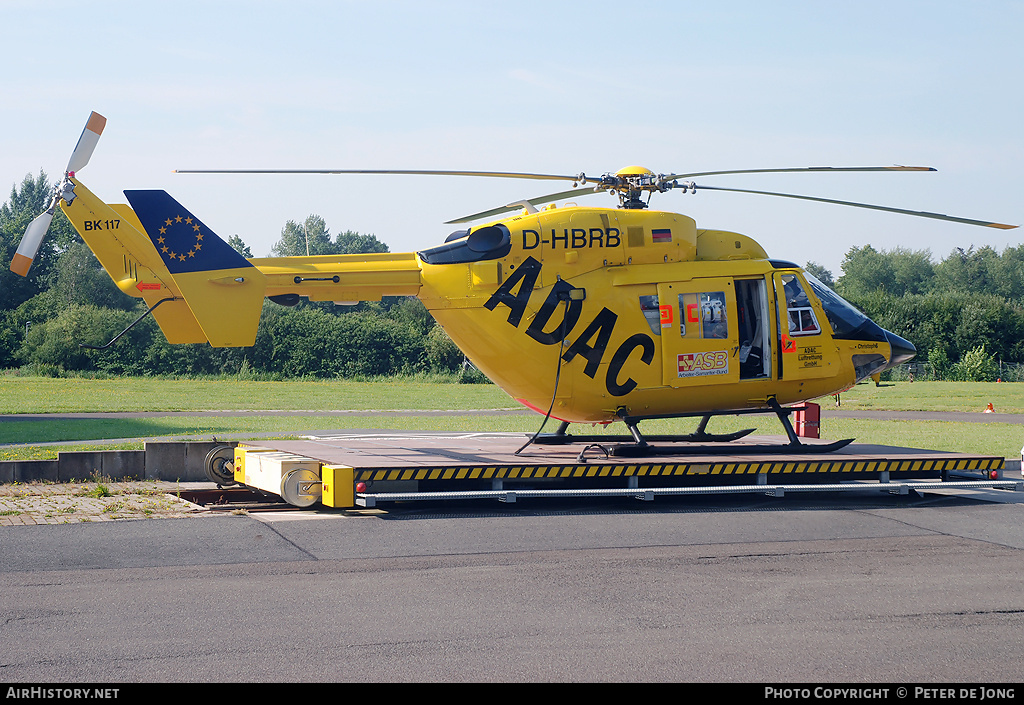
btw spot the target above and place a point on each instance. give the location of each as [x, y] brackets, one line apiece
[786, 467]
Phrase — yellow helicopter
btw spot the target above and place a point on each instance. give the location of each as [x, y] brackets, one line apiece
[586, 315]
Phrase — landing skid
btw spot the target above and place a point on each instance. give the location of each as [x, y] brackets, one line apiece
[636, 450]
[559, 439]
[641, 447]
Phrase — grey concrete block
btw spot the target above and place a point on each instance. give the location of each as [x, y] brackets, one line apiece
[183, 461]
[115, 464]
[28, 471]
[166, 461]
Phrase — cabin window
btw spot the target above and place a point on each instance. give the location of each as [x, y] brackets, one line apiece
[656, 318]
[703, 315]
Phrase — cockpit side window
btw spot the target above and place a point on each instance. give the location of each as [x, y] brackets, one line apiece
[802, 320]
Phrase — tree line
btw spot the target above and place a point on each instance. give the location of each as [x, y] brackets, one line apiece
[965, 313]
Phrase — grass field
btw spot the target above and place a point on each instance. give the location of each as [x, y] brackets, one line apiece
[39, 395]
[1006, 397]
[44, 395]
[21, 395]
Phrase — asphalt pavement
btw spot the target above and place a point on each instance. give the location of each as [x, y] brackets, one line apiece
[864, 587]
[872, 588]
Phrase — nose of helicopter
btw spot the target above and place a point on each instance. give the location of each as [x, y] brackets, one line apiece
[902, 350]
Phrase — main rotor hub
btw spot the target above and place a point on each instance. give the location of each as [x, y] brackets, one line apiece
[631, 182]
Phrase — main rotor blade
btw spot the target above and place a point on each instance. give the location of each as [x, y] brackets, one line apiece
[546, 177]
[921, 214]
[397, 172]
[571, 193]
[87, 142]
[30, 243]
[813, 169]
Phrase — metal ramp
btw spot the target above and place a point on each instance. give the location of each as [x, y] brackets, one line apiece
[647, 494]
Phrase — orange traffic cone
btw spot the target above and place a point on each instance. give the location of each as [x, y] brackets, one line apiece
[990, 409]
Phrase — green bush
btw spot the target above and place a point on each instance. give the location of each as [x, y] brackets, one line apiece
[309, 342]
[442, 354]
[58, 341]
[976, 366]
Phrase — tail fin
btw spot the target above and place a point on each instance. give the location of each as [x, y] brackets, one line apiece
[219, 306]
[223, 290]
[185, 245]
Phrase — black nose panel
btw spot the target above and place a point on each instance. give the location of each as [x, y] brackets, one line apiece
[902, 349]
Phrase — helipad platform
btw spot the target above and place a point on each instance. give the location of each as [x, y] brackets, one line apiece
[385, 464]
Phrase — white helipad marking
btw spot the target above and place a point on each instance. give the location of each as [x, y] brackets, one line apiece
[271, 517]
[411, 436]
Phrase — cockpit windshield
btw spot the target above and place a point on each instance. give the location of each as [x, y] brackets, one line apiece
[846, 321]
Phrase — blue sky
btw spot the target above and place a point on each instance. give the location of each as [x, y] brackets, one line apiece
[556, 87]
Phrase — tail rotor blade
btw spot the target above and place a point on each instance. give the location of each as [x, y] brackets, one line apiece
[30, 243]
[87, 142]
[36, 230]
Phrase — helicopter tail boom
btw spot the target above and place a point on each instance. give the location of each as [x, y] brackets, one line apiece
[343, 279]
[157, 250]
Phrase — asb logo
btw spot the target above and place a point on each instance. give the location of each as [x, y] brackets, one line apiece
[701, 364]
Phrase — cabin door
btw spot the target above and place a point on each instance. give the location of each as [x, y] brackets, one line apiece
[699, 332]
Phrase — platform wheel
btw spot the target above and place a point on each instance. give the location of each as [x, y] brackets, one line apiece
[220, 466]
[301, 488]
